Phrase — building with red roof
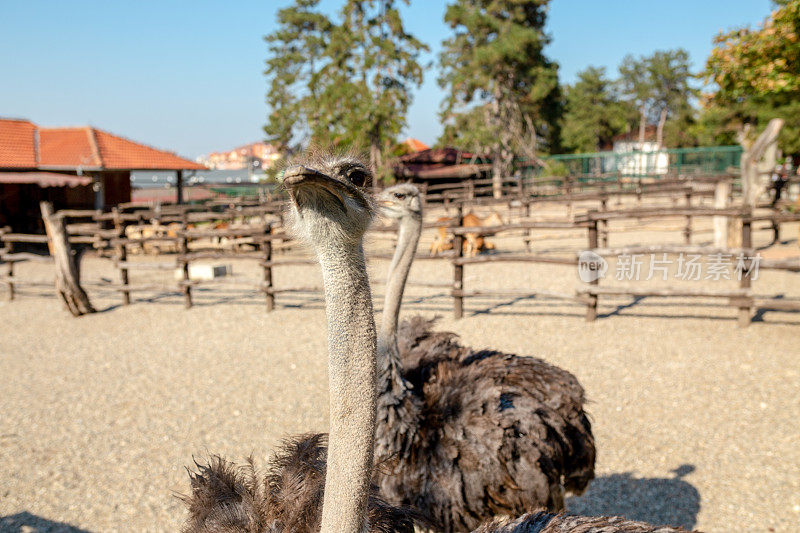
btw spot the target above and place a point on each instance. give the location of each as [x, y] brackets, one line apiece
[413, 145]
[75, 167]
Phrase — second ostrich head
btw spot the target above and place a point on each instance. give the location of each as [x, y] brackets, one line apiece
[329, 204]
[400, 201]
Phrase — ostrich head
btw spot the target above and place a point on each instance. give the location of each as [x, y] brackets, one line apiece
[329, 203]
[400, 201]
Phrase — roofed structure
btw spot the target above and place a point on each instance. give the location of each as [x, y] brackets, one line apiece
[74, 167]
[25, 145]
[440, 164]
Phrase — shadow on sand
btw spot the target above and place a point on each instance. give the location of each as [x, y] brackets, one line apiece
[659, 501]
[26, 522]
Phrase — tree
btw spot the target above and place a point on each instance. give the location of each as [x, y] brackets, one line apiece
[297, 51]
[345, 84]
[593, 113]
[756, 77]
[468, 131]
[372, 44]
[493, 66]
[660, 86]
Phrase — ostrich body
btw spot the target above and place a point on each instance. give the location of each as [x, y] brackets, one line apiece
[472, 434]
[308, 486]
[543, 522]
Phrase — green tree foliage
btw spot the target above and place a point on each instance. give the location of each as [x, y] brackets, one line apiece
[594, 113]
[495, 72]
[660, 87]
[372, 44]
[756, 74]
[346, 83]
[296, 57]
[468, 130]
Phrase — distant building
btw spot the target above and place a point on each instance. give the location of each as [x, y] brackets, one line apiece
[256, 156]
[77, 167]
[634, 157]
[439, 165]
[412, 145]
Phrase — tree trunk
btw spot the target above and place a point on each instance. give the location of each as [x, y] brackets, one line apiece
[376, 161]
[67, 274]
[660, 129]
[758, 160]
[642, 124]
[497, 172]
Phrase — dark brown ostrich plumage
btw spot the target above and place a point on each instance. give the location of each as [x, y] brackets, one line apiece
[543, 522]
[226, 498]
[492, 433]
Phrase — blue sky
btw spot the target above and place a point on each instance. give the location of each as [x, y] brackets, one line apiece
[187, 76]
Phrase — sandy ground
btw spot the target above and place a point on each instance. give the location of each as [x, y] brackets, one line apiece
[696, 420]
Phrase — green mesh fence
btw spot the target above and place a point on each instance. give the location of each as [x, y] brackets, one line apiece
[614, 166]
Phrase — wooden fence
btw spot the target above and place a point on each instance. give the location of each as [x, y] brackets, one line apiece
[108, 233]
[595, 223]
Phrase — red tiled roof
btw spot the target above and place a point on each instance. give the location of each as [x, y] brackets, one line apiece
[120, 153]
[67, 147]
[415, 145]
[85, 147]
[17, 144]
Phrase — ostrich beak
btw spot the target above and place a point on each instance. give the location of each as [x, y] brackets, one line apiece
[298, 175]
[301, 177]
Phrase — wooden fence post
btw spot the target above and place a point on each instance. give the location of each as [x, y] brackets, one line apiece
[458, 269]
[687, 230]
[122, 257]
[722, 193]
[527, 231]
[183, 261]
[9, 248]
[68, 284]
[604, 232]
[270, 296]
[591, 304]
[745, 311]
[11, 287]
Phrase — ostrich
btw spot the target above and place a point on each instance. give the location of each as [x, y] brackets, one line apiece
[472, 433]
[331, 214]
[300, 493]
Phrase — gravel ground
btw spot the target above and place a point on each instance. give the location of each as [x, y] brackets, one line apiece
[695, 419]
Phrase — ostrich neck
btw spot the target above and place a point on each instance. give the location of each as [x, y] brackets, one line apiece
[352, 397]
[407, 240]
[398, 407]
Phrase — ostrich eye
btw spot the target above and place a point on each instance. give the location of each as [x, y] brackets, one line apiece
[357, 177]
[399, 196]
